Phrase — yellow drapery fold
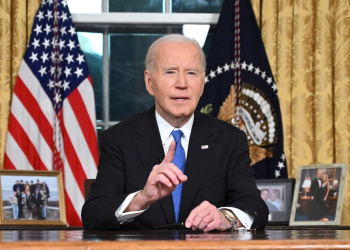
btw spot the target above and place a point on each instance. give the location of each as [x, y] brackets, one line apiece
[308, 46]
[16, 20]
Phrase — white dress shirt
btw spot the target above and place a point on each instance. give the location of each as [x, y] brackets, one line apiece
[165, 130]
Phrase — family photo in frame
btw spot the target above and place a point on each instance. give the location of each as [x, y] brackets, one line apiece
[318, 195]
[32, 198]
[278, 195]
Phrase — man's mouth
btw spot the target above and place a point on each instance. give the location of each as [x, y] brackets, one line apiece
[180, 99]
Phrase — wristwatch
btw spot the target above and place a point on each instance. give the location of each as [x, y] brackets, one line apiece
[229, 215]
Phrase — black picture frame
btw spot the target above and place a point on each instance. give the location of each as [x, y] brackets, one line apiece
[280, 209]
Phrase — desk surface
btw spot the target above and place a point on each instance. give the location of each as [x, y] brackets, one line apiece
[330, 238]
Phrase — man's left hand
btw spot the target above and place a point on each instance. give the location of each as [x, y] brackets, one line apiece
[207, 217]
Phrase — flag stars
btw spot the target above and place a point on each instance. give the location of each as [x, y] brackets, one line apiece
[263, 75]
[226, 67]
[212, 74]
[38, 29]
[65, 85]
[64, 17]
[69, 58]
[67, 71]
[280, 165]
[54, 42]
[274, 86]
[64, 3]
[257, 71]
[277, 173]
[34, 57]
[61, 44]
[40, 15]
[79, 72]
[219, 70]
[49, 15]
[42, 71]
[55, 29]
[50, 2]
[59, 84]
[72, 31]
[60, 59]
[46, 43]
[71, 45]
[283, 157]
[244, 65]
[51, 84]
[80, 59]
[250, 67]
[36, 43]
[57, 98]
[52, 56]
[63, 31]
[232, 65]
[44, 57]
[206, 79]
[52, 70]
[59, 71]
[269, 80]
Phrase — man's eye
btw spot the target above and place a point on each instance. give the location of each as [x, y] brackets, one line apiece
[170, 72]
[192, 73]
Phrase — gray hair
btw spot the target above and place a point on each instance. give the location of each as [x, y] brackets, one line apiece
[172, 38]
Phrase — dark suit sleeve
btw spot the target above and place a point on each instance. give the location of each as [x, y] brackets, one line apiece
[107, 192]
[242, 192]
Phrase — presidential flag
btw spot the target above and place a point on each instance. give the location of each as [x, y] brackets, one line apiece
[52, 120]
[240, 88]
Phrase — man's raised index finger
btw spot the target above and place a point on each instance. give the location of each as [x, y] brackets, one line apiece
[170, 154]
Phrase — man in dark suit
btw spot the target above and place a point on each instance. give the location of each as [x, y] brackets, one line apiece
[38, 203]
[136, 174]
[317, 203]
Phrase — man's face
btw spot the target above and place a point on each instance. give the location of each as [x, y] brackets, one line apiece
[273, 196]
[319, 173]
[264, 195]
[177, 81]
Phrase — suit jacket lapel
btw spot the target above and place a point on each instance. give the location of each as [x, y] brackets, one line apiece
[149, 145]
[199, 153]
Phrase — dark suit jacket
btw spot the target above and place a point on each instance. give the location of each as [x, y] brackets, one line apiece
[220, 174]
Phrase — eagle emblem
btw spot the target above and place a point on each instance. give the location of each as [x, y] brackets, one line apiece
[256, 119]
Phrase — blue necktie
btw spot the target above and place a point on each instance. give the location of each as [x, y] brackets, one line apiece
[179, 161]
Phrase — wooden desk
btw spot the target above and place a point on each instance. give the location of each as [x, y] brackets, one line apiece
[271, 238]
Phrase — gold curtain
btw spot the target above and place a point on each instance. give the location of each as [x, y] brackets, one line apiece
[308, 46]
[16, 20]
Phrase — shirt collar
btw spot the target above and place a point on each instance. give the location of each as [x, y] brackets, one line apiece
[165, 128]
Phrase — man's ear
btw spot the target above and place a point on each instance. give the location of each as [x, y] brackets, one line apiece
[148, 82]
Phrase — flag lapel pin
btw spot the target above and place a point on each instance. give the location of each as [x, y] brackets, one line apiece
[204, 146]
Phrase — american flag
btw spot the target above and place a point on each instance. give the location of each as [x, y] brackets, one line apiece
[52, 120]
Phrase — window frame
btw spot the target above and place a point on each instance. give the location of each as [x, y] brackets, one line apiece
[104, 22]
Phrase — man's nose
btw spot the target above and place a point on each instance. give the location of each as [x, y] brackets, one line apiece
[181, 81]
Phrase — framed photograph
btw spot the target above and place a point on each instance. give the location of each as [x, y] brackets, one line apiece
[32, 198]
[278, 195]
[318, 195]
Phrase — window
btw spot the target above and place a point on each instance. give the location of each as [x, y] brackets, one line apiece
[115, 36]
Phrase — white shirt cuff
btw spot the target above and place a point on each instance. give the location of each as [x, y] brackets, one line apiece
[128, 216]
[246, 219]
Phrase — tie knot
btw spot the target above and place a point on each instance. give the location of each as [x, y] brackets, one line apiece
[177, 135]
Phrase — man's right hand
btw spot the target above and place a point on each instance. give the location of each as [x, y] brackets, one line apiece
[161, 182]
